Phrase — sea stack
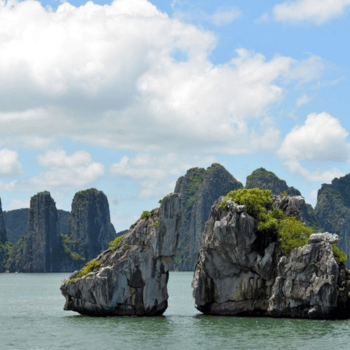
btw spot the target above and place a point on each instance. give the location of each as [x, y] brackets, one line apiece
[89, 228]
[131, 277]
[40, 249]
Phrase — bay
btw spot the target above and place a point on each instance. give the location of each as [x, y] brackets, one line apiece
[32, 318]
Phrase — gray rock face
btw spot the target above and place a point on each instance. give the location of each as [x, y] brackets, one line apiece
[3, 238]
[89, 228]
[16, 222]
[306, 285]
[131, 278]
[333, 211]
[40, 250]
[236, 269]
[199, 188]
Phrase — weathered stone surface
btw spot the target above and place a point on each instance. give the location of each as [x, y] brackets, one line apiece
[3, 238]
[40, 250]
[132, 278]
[333, 210]
[291, 206]
[306, 285]
[236, 267]
[89, 228]
[16, 222]
[199, 188]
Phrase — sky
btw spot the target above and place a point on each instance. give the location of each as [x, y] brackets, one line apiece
[126, 96]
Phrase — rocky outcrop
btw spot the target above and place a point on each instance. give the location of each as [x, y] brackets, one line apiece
[241, 272]
[267, 180]
[40, 249]
[3, 239]
[333, 210]
[16, 222]
[199, 188]
[89, 229]
[306, 284]
[131, 279]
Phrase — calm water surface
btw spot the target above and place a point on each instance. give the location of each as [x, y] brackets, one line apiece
[32, 317]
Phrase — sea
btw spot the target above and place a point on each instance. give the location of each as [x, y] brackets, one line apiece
[32, 318]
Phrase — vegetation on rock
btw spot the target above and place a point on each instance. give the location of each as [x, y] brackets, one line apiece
[67, 240]
[113, 244]
[88, 268]
[6, 249]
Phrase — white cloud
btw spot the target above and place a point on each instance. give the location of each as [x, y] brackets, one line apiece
[321, 138]
[319, 175]
[224, 15]
[302, 100]
[9, 165]
[155, 169]
[18, 204]
[107, 75]
[66, 171]
[315, 11]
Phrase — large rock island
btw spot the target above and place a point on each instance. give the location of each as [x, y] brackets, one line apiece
[242, 270]
[131, 277]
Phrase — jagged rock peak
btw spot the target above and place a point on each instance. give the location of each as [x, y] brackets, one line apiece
[131, 278]
[306, 285]
[89, 224]
[267, 180]
[199, 188]
[40, 249]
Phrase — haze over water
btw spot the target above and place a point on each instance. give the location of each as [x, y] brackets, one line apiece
[32, 318]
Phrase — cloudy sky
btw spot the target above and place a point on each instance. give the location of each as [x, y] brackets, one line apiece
[125, 96]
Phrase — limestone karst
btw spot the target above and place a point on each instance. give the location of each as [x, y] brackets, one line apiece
[3, 239]
[132, 277]
[199, 188]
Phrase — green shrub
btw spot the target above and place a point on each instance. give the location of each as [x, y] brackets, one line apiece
[6, 248]
[339, 256]
[284, 194]
[115, 242]
[145, 214]
[292, 234]
[257, 201]
[88, 268]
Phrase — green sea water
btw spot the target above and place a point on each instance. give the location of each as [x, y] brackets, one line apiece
[32, 317]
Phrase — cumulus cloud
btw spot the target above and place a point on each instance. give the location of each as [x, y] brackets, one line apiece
[321, 138]
[107, 75]
[66, 171]
[9, 165]
[155, 169]
[315, 11]
[295, 167]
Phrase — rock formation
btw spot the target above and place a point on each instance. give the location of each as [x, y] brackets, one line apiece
[130, 279]
[240, 271]
[89, 228]
[333, 210]
[267, 180]
[3, 238]
[306, 284]
[199, 188]
[16, 222]
[40, 250]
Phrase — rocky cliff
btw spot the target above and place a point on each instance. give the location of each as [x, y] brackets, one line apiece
[3, 239]
[40, 250]
[267, 180]
[333, 210]
[89, 229]
[131, 278]
[240, 271]
[199, 188]
[16, 222]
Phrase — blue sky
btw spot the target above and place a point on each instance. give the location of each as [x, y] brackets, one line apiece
[125, 96]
